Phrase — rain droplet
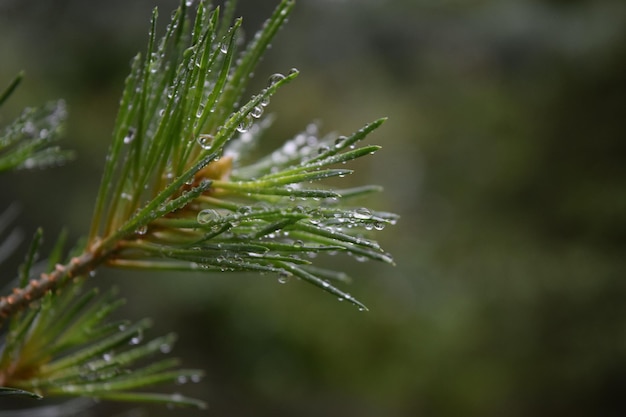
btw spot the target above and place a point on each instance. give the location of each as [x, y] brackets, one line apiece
[379, 225]
[223, 48]
[205, 141]
[293, 71]
[130, 136]
[322, 149]
[207, 215]
[283, 277]
[182, 379]
[298, 243]
[256, 112]
[165, 348]
[142, 230]
[360, 258]
[275, 78]
[362, 214]
[136, 340]
[245, 124]
[339, 141]
[265, 101]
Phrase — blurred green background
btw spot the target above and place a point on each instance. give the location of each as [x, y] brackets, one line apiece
[504, 153]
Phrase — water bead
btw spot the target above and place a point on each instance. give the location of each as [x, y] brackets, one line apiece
[362, 214]
[339, 141]
[284, 277]
[274, 78]
[130, 136]
[207, 216]
[256, 112]
[245, 124]
[205, 141]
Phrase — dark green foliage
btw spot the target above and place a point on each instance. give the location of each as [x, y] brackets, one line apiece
[26, 143]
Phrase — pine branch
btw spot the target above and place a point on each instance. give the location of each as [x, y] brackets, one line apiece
[27, 142]
[179, 192]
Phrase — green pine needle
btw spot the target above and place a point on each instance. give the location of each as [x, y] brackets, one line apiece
[28, 141]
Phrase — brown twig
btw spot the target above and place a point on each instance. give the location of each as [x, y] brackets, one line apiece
[59, 277]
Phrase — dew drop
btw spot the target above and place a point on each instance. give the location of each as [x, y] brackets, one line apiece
[130, 136]
[360, 258]
[362, 214]
[223, 48]
[142, 230]
[298, 244]
[205, 141]
[256, 112]
[322, 149]
[206, 216]
[379, 225]
[165, 348]
[135, 340]
[293, 71]
[339, 141]
[265, 101]
[274, 78]
[182, 379]
[107, 357]
[245, 124]
[284, 277]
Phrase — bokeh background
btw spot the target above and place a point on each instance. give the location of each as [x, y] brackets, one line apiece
[504, 153]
